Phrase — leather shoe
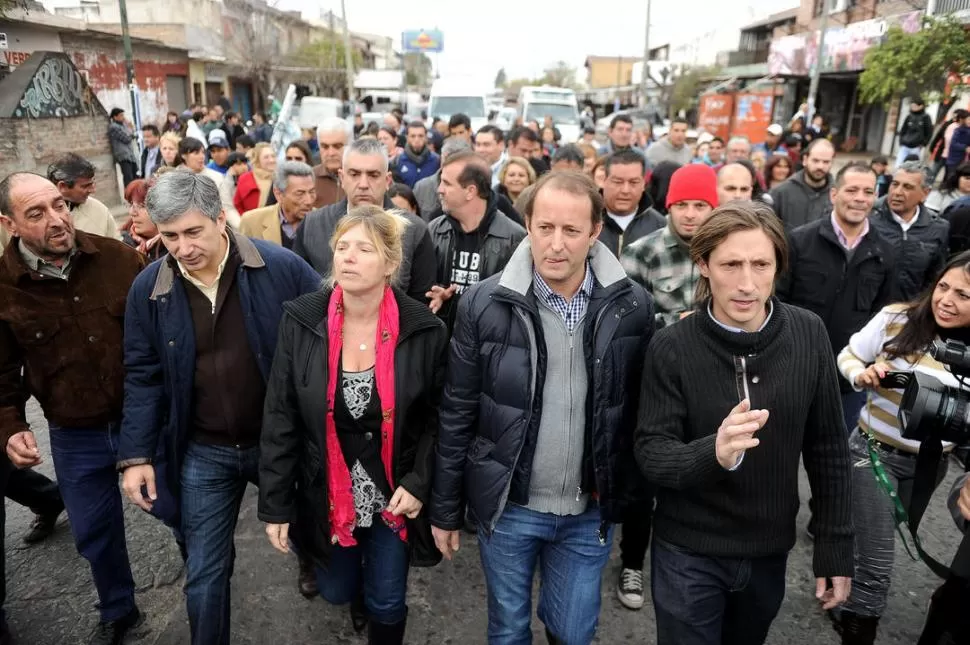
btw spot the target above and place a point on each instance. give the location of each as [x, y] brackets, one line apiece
[358, 613]
[307, 580]
[42, 527]
[113, 633]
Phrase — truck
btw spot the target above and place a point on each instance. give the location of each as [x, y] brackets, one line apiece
[455, 96]
[538, 102]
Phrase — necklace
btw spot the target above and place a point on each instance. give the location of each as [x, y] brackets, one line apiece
[363, 347]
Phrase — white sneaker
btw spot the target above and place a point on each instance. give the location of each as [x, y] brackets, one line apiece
[630, 588]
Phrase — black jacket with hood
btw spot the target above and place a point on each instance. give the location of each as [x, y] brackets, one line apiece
[646, 221]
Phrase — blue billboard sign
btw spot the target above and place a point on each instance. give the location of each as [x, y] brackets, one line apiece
[423, 40]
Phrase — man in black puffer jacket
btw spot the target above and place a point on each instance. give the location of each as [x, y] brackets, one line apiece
[538, 412]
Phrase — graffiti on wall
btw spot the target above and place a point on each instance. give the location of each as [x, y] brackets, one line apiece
[57, 89]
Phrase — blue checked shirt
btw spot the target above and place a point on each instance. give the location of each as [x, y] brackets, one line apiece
[572, 311]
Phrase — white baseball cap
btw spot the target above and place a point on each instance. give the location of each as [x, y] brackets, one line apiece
[775, 129]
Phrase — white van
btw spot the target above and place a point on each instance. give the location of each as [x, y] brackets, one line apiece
[451, 96]
[535, 103]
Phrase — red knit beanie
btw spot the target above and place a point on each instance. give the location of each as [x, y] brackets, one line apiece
[693, 181]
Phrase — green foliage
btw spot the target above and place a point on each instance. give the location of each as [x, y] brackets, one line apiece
[417, 69]
[686, 87]
[328, 54]
[915, 64]
[561, 74]
[7, 6]
[500, 78]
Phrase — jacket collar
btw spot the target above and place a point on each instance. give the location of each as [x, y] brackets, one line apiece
[645, 204]
[321, 172]
[249, 258]
[923, 217]
[15, 266]
[517, 276]
[310, 310]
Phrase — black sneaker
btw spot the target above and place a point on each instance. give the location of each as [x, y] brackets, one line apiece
[629, 589]
[113, 633]
[42, 527]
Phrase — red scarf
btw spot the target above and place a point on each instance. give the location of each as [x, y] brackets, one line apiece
[343, 518]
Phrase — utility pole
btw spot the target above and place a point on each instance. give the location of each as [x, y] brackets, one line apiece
[645, 73]
[817, 70]
[348, 53]
[130, 68]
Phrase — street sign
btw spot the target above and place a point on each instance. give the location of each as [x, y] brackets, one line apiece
[423, 40]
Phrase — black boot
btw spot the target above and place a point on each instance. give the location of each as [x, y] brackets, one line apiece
[383, 634]
[358, 612]
[858, 630]
[552, 639]
[306, 581]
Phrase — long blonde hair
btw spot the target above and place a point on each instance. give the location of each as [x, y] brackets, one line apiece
[384, 228]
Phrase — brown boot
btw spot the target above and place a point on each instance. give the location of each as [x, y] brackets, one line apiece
[307, 580]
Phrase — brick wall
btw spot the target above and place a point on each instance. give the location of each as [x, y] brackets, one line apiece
[104, 61]
[32, 144]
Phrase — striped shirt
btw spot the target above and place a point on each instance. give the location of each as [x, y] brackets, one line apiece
[879, 416]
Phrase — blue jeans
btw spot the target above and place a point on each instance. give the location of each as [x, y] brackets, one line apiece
[214, 479]
[852, 404]
[379, 561]
[701, 600]
[571, 560]
[905, 151]
[84, 461]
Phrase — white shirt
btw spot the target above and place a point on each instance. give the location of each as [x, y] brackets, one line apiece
[903, 223]
[623, 220]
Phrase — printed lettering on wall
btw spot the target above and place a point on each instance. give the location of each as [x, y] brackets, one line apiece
[56, 89]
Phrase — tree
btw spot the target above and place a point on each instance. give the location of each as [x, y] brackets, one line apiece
[500, 78]
[562, 74]
[6, 6]
[916, 64]
[685, 88]
[327, 57]
[417, 69]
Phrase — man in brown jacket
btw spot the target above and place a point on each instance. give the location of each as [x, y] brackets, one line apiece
[333, 135]
[62, 305]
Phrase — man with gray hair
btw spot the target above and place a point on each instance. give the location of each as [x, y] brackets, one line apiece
[365, 179]
[426, 190]
[918, 235]
[200, 333]
[295, 192]
[738, 148]
[333, 134]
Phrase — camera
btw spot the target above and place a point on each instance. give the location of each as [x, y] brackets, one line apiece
[931, 409]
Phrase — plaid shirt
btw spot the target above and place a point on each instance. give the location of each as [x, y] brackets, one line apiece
[661, 263]
[572, 311]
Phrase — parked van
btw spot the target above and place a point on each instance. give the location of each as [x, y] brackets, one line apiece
[452, 96]
[535, 103]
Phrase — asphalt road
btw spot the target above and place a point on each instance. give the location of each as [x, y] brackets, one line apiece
[51, 599]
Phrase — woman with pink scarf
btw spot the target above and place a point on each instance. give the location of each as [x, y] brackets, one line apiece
[350, 424]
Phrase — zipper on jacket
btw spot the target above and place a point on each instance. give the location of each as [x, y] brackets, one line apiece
[741, 376]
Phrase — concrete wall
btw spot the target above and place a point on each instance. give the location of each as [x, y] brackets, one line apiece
[103, 61]
[22, 40]
[32, 144]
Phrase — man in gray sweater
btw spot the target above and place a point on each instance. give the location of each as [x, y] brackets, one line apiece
[673, 147]
[364, 178]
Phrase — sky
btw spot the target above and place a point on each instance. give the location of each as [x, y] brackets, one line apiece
[525, 37]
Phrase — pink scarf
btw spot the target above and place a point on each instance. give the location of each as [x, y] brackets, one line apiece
[342, 515]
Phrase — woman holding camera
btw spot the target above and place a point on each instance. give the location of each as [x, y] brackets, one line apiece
[897, 339]
[349, 426]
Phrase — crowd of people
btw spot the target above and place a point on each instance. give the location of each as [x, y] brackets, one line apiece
[431, 331]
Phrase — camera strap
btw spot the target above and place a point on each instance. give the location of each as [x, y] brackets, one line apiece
[901, 518]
